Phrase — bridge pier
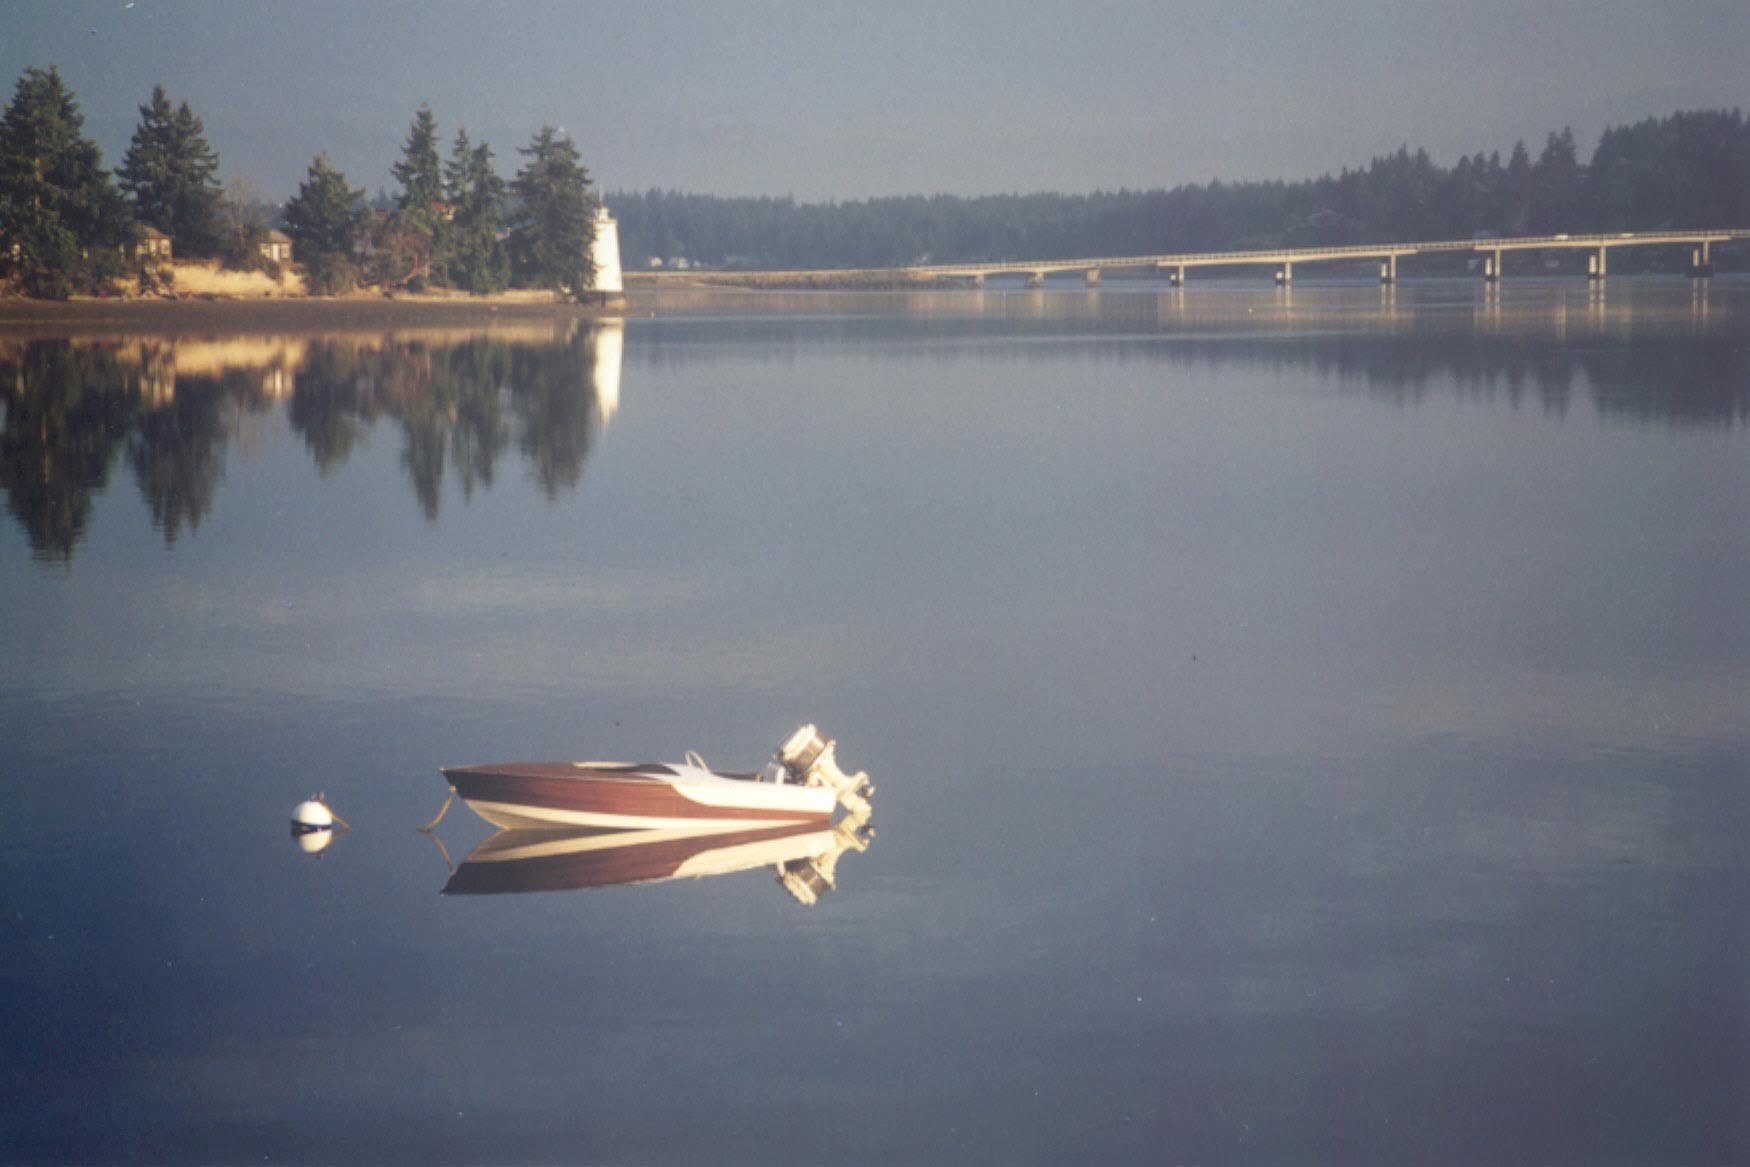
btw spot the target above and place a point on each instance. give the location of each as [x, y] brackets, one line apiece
[1036, 279]
[1595, 265]
[1492, 267]
[1388, 270]
[1700, 262]
[1176, 276]
[1285, 273]
[1093, 277]
[977, 279]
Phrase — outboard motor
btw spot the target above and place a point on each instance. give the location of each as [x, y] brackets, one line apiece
[809, 759]
[808, 879]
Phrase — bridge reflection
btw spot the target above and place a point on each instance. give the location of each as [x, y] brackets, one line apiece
[1640, 351]
[171, 413]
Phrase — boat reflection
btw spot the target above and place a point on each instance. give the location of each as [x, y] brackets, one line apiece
[803, 858]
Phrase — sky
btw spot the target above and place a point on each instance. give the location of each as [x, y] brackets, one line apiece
[830, 100]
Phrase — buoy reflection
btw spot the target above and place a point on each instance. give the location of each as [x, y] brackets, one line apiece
[314, 824]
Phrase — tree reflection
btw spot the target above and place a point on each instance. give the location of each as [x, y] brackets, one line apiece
[333, 403]
[479, 434]
[70, 408]
[178, 453]
[455, 412]
[1679, 381]
[553, 404]
[64, 412]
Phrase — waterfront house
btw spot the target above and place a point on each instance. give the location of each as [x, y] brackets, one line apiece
[151, 243]
[277, 247]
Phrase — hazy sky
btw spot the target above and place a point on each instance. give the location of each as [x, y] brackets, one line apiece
[848, 100]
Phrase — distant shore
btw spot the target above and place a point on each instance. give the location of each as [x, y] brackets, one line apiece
[850, 279]
[85, 316]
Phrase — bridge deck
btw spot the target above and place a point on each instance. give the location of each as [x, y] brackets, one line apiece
[1349, 251]
[1280, 255]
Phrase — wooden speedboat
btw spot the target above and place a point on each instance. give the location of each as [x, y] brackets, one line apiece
[592, 824]
[634, 796]
[802, 784]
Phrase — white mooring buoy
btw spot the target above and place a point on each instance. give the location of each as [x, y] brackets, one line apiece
[313, 825]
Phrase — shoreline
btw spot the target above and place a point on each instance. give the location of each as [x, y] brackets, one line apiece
[850, 279]
[48, 318]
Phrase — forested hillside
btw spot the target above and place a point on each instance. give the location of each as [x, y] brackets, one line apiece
[1688, 170]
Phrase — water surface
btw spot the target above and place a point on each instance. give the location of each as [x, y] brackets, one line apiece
[1308, 727]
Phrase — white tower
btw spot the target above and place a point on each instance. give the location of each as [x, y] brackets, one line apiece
[610, 287]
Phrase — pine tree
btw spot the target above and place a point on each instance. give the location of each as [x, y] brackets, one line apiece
[418, 171]
[476, 259]
[1557, 186]
[554, 222]
[456, 169]
[415, 239]
[323, 219]
[172, 174]
[62, 221]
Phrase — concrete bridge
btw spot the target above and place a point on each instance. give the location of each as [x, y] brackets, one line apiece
[1700, 243]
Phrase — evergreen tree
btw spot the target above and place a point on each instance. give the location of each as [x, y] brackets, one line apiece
[1691, 169]
[172, 174]
[553, 225]
[418, 172]
[62, 221]
[1556, 186]
[476, 259]
[323, 219]
[324, 215]
[414, 240]
[456, 169]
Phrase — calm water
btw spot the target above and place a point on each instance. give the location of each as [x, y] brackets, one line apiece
[1309, 728]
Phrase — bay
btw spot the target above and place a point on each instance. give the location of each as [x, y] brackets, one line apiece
[1308, 726]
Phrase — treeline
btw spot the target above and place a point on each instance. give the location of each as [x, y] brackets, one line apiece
[455, 223]
[1691, 169]
[68, 225]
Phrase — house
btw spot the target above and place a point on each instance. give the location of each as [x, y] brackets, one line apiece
[277, 247]
[151, 243]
